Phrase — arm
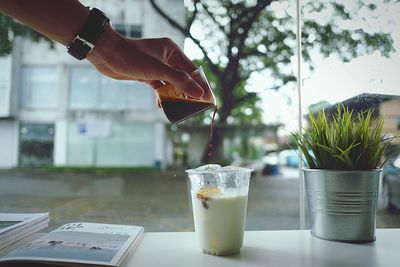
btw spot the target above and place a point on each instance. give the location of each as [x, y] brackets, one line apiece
[59, 20]
[147, 60]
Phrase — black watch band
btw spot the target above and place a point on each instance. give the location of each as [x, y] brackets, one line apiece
[86, 39]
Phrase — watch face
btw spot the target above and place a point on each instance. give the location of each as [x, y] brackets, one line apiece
[79, 49]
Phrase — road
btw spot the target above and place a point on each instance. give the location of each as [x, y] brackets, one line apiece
[159, 201]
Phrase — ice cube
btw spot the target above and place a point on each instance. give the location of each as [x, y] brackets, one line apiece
[235, 169]
[231, 168]
[209, 167]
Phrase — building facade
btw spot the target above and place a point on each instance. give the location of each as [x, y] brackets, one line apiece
[56, 110]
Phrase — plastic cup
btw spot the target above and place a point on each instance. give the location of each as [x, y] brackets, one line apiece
[178, 107]
[219, 201]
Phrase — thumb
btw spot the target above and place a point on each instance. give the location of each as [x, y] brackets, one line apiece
[182, 81]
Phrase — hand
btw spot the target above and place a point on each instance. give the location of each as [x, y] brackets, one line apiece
[147, 60]
[152, 61]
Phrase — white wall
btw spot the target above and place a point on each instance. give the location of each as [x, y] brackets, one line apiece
[155, 26]
[5, 86]
[8, 144]
[159, 143]
[60, 143]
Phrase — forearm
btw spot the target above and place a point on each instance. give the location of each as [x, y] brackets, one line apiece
[59, 20]
[146, 60]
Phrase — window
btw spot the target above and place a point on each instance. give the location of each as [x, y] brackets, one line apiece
[83, 88]
[5, 86]
[39, 87]
[90, 90]
[119, 160]
[398, 123]
[356, 72]
[105, 143]
[129, 30]
[36, 144]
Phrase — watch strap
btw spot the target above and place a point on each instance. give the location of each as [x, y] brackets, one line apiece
[87, 37]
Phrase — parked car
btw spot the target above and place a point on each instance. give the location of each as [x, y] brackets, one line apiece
[391, 182]
[289, 158]
[270, 163]
[277, 163]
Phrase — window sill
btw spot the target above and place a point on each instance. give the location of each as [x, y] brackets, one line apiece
[261, 248]
[268, 248]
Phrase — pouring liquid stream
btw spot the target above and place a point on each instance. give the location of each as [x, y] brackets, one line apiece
[210, 134]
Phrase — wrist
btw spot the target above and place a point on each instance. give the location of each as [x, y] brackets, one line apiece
[105, 46]
[87, 37]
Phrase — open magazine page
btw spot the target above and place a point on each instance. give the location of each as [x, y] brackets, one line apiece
[10, 221]
[83, 243]
[15, 226]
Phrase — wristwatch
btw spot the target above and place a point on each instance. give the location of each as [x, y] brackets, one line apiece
[86, 39]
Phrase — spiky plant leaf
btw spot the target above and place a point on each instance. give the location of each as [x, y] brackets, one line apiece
[347, 141]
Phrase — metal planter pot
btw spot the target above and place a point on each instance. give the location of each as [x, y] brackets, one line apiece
[342, 204]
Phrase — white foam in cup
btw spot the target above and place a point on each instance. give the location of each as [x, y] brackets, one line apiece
[219, 200]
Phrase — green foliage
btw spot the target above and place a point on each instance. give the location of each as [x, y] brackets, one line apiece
[246, 149]
[9, 29]
[249, 112]
[270, 43]
[347, 141]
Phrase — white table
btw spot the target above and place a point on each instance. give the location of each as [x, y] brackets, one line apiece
[268, 248]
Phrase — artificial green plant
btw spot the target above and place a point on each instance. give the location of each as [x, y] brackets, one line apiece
[344, 141]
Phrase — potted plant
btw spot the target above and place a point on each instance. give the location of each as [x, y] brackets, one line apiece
[344, 158]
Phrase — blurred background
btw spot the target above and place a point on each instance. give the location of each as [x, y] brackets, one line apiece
[89, 148]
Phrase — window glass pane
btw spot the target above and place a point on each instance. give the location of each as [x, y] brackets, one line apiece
[112, 94]
[132, 160]
[110, 148]
[138, 149]
[5, 86]
[92, 90]
[36, 144]
[105, 143]
[80, 147]
[139, 96]
[351, 57]
[39, 87]
[129, 30]
[84, 88]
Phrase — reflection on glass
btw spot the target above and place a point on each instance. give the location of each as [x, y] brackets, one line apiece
[101, 123]
[37, 87]
[350, 52]
[89, 90]
[36, 144]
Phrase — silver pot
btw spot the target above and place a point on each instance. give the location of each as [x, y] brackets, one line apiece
[342, 204]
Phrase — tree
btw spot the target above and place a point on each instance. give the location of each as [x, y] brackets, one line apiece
[9, 29]
[243, 36]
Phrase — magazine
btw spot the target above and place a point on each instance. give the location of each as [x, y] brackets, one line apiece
[79, 243]
[15, 226]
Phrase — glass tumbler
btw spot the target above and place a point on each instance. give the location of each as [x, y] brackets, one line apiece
[219, 201]
[177, 106]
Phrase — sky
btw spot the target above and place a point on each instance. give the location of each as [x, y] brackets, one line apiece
[332, 80]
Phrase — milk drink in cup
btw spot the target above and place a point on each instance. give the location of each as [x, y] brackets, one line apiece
[219, 200]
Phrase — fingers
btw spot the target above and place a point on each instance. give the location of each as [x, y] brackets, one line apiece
[158, 102]
[182, 81]
[199, 77]
[180, 61]
[167, 50]
[158, 73]
[154, 84]
[151, 61]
